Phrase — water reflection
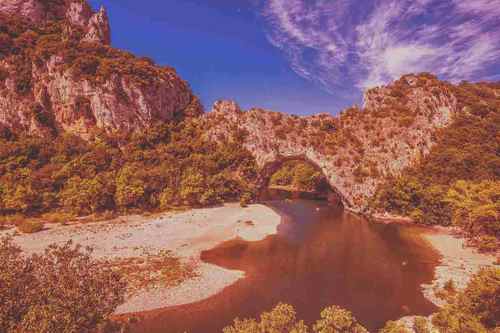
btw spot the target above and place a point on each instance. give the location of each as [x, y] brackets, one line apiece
[320, 256]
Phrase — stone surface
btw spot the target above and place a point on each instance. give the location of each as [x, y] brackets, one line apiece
[116, 103]
[77, 12]
[356, 149]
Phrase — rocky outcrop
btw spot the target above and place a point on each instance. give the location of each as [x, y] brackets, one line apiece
[75, 87]
[357, 149]
[118, 104]
[77, 12]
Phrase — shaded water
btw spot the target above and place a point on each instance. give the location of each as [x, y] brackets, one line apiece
[321, 256]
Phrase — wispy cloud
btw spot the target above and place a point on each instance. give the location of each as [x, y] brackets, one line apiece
[344, 44]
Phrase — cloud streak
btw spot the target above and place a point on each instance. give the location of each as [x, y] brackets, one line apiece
[348, 45]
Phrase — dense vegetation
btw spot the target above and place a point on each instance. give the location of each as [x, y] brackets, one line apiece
[61, 290]
[298, 176]
[475, 309]
[458, 182]
[171, 165]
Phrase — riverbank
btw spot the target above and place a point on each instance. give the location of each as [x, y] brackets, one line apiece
[458, 261]
[184, 235]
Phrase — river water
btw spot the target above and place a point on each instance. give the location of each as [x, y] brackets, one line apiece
[321, 256]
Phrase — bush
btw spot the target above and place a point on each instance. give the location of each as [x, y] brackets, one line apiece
[283, 319]
[57, 218]
[475, 309]
[394, 327]
[421, 325]
[30, 227]
[61, 290]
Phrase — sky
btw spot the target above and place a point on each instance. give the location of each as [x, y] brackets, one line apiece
[308, 56]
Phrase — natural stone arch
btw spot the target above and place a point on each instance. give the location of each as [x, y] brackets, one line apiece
[332, 193]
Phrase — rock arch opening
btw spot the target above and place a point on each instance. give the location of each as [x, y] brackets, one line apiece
[297, 177]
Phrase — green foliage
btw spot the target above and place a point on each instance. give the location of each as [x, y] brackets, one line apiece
[169, 165]
[458, 181]
[283, 319]
[61, 290]
[476, 206]
[421, 325]
[394, 327]
[405, 195]
[296, 175]
[337, 320]
[86, 196]
[475, 309]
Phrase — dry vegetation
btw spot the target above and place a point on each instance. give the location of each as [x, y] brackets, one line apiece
[151, 271]
[61, 290]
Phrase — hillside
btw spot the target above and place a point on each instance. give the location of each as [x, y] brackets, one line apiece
[59, 74]
[359, 149]
[87, 128]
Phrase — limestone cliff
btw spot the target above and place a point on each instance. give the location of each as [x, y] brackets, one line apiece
[76, 12]
[58, 73]
[360, 147]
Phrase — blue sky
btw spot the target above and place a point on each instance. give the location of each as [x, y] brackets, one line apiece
[308, 56]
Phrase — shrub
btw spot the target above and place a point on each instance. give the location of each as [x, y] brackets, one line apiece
[283, 319]
[421, 325]
[394, 327]
[30, 227]
[61, 290]
[475, 309]
[336, 319]
[57, 218]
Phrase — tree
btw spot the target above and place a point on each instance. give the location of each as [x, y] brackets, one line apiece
[87, 196]
[394, 327]
[61, 290]
[337, 320]
[192, 187]
[475, 309]
[129, 188]
[476, 206]
[421, 325]
[283, 319]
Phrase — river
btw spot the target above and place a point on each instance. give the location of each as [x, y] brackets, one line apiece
[321, 255]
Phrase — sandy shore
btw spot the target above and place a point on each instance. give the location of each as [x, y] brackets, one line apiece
[186, 234]
[458, 262]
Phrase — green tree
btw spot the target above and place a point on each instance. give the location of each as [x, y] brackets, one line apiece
[337, 320]
[476, 206]
[394, 327]
[87, 196]
[475, 309]
[193, 187]
[421, 325]
[129, 188]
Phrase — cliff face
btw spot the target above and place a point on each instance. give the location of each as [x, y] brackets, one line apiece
[358, 149]
[58, 73]
[77, 12]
